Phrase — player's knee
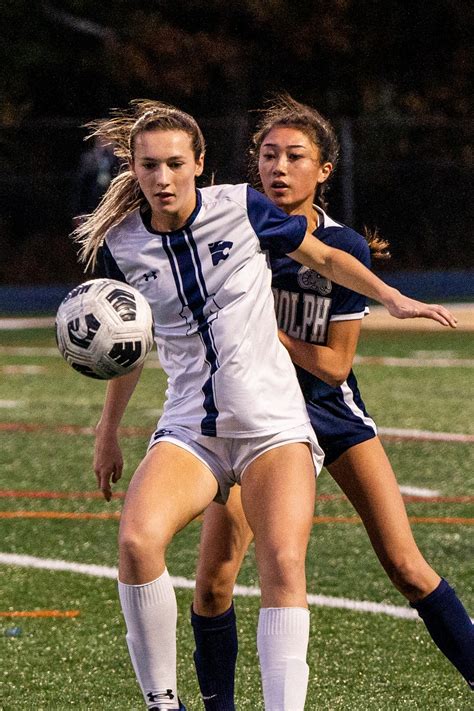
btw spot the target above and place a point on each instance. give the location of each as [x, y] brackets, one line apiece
[137, 545]
[282, 565]
[213, 595]
[407, 575]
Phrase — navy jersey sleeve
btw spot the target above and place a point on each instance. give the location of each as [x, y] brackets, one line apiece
[276, 230]
[107, 266]
[345, 300]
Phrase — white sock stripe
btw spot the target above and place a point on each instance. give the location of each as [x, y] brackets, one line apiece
[283, 621]
[148, 594]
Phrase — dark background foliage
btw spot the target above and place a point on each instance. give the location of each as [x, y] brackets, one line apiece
[394, 76]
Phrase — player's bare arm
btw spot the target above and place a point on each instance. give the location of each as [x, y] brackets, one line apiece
[342, 268]
[108, 460]
[331, 362]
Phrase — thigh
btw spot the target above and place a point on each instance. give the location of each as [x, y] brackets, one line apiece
[278, 490]
[170, 487]
[225, 538]
[225, 535]
[278, 496]
[365, 475]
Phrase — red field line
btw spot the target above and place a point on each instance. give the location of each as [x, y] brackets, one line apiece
[413, 519]
[69, 429]
[41, 613]
[388, 435]
[60, 515]
[33, 494]
[69, 515]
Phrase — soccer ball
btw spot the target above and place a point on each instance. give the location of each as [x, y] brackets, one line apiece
[104, 328]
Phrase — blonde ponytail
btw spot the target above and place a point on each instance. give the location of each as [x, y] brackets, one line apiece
[124, 195]
[122, 198]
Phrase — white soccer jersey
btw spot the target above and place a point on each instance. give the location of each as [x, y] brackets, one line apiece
[209, 286]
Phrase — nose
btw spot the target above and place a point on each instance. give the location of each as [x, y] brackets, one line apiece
[279, 165]
[162, 175]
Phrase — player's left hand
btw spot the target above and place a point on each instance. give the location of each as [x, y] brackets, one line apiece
[403, 307]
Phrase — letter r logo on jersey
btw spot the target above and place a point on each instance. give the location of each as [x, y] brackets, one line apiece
[219, 251]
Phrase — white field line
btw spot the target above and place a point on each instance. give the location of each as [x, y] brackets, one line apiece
[425, 435]
[415, 362]
[10, 404]
[102, 571]
[19, 324]
[29, 351]
[22, 369]
[418, 491]
[152, 362]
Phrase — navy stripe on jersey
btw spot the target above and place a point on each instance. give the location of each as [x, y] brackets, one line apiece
[107, 266]
[185, 264]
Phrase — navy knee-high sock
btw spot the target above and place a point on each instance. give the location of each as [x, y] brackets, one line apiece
[450, 627]
[215, 658]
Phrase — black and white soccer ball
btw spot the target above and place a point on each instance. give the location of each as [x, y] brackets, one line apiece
[104, 328]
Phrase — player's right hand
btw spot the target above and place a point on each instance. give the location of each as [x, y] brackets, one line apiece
[402, 307]
[108, 461]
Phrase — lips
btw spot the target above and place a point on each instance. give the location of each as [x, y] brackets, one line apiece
[278, 185]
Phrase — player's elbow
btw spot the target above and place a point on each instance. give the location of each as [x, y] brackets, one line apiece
[337, 376]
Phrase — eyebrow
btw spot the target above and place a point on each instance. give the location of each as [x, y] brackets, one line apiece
[149, 158]
[276, 145]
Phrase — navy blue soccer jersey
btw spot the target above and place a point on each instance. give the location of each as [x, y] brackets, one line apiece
[305, 304]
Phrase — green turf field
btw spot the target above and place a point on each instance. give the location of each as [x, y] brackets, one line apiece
[359, 661]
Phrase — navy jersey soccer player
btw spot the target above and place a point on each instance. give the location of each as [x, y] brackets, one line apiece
[306, 303]
[294, 152]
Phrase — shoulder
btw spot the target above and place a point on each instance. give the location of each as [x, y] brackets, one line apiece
[129, 225]
[340, 236]
[225, 192]
[241, 194]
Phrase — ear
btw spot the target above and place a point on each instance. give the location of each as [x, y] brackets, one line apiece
[131, 167]
[324, 172]
[199, 165]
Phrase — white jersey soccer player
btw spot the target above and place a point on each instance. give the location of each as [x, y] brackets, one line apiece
[215, 297]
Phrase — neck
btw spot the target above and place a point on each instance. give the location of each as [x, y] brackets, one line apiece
[167, 223]
[163, 221]
[309, 211]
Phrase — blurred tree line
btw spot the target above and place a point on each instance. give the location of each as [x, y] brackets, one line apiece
[394, 76]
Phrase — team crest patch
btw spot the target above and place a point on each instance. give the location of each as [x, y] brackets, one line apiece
[219, 251]
[309, 279]
[162, 433]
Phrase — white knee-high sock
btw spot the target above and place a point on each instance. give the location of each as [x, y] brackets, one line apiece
[282, 642]
[150, 613]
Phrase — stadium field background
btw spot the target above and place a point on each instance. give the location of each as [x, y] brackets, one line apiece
[367, 652]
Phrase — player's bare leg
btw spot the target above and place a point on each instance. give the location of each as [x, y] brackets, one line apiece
[365, 475]
[169, 488]
[278, 495]
[225, 537]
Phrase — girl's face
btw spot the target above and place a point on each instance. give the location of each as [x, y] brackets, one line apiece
[166, 168]
[290, 169]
